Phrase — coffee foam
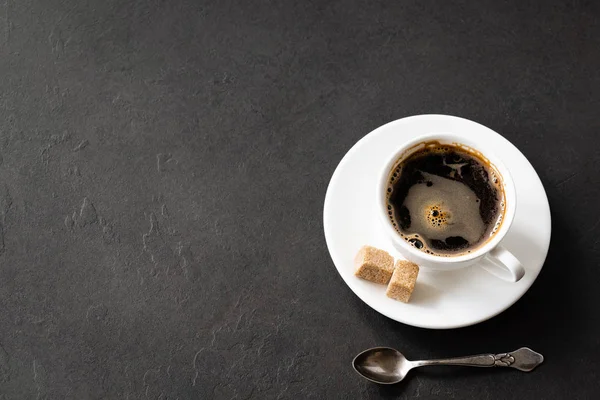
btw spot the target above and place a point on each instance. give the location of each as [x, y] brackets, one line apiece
[443, 209]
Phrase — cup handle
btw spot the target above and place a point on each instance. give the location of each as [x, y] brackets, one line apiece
[503, 260]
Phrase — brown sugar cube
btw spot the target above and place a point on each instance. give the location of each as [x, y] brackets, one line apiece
[403, 281]
[374, 265]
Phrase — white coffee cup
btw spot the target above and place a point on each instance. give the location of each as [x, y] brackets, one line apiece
[490, 254]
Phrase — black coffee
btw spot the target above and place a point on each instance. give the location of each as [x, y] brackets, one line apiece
[445, 200]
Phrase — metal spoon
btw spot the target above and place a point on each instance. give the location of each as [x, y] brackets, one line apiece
[387, 366]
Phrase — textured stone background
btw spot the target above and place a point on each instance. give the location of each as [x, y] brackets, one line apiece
[163, 169]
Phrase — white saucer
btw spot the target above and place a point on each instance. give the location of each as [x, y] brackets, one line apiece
[441, 300]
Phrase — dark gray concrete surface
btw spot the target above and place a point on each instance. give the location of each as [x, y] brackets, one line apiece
[163, 169]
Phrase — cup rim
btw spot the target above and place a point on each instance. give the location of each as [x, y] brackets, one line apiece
[509, 193]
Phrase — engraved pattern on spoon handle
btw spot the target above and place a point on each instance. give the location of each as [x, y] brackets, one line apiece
[523, 359]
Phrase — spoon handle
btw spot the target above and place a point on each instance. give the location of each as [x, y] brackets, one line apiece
[523, 359]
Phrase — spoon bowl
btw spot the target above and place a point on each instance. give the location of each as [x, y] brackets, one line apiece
[382, 365]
